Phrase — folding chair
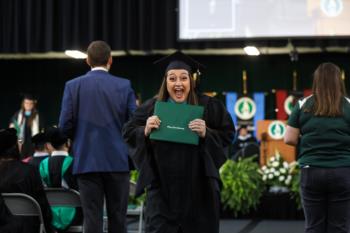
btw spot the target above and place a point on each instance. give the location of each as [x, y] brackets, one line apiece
[21, 204]
[64, 198]
[138, 211]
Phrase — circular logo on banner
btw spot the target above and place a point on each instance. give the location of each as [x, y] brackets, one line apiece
[245, 108]
[332, 8]
[276, 130]
[288, 104]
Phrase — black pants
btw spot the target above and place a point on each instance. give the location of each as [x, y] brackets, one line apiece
[325, 195]
[94, 187]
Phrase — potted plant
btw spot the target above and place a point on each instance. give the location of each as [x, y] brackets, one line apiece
[277, 173]
[133, 201]
[242, 185]
[295, 186]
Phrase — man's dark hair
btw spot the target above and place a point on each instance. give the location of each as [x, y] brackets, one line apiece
[39, 140]
[98, 53]
[39, 146]
[56, 137]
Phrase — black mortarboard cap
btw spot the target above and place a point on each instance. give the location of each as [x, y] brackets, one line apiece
[8, 139]
[28, 96]
[179, 60]
[39, 138]
[56, 137]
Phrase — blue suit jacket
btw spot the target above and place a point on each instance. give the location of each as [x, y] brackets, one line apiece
[95, 107]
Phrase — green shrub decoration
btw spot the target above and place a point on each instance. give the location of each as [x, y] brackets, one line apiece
[295, 186]
[242, 185]
[133, 201]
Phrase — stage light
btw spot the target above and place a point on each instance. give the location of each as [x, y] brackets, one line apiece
[75, 54]
[251, 51]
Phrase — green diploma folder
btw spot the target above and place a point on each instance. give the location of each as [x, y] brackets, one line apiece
[174, 122]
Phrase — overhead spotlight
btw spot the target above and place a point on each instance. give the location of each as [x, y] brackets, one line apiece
[75, 54]
[251, 51]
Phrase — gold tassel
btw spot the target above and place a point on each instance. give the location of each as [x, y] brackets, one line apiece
[244, 77]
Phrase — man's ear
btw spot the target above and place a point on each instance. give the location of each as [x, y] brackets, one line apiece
[50, 147]
[87, 61]
[110, 60]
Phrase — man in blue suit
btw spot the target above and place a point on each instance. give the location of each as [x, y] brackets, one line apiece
[95, 107]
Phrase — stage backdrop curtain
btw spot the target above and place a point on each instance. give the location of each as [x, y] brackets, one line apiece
[57, 25]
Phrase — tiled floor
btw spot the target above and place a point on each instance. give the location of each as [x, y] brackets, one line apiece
[252, 226]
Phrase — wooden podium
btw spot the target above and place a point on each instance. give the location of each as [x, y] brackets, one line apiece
[268, 145]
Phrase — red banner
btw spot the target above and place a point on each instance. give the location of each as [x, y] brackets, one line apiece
[281, 96]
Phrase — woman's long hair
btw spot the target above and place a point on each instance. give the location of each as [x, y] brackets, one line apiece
[329, 91]
[32, 115]
[163, 94]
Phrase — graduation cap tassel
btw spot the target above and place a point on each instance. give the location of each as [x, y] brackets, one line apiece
[195, 76]
[343, 75]
[244, 77]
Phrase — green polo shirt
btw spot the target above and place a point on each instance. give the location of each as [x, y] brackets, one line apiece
[324, 141]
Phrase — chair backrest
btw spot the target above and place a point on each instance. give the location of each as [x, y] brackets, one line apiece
[63, 197]
[21, 204]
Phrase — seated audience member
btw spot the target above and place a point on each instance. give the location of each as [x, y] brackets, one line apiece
[41, 151]
[56, 172]
[243, 139]
[18, 177]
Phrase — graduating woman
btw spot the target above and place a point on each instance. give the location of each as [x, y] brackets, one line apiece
[27, 123]
[182, 180]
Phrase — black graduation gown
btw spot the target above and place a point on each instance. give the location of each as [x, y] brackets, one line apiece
[55, 170]
[18, 177]
[36, 160]
[239, 144]
[55, 173]
[182, 180]
[27, 146]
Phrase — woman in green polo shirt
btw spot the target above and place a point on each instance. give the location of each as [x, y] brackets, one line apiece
[320, 126]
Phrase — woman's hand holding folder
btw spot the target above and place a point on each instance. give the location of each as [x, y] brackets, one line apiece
[198, 126]
[153, 122]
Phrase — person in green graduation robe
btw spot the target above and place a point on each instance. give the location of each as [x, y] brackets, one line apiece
[181, 180]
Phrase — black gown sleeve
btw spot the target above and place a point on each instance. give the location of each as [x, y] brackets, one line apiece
[139, 145]
[219, 135]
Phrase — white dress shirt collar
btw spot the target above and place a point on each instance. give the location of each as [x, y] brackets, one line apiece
[40, 154]
[99, 68]
[59, 152]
